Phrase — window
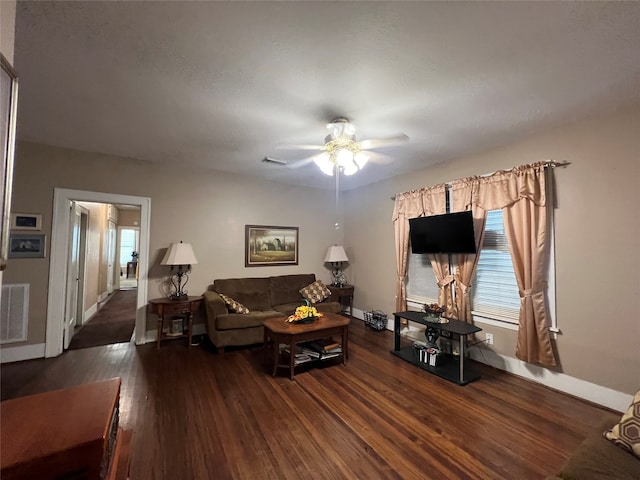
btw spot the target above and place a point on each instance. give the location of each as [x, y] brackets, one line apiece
[128, 245]
[495, 290]
[495, 297]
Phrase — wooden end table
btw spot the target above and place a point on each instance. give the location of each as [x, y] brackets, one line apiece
[168, 306]
[342, 294]
[277, 331]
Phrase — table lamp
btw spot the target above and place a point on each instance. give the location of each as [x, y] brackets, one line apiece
[180, 257]
[336, 256]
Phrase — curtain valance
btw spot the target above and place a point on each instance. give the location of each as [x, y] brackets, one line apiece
[421, 202]
[506, 187]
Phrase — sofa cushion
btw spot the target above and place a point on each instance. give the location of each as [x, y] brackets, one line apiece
[286, 288]
[234, 321]
[315, 292]
[598, 459]
[626, 433]
[253, 293]
[287, 308]
[235, 307]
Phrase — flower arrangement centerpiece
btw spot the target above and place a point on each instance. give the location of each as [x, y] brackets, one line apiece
[433, 313]
[304, 314]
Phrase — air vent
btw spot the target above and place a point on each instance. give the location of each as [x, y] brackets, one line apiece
[14, 313]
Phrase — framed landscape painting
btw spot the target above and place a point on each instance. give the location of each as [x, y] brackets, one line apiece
[24, 245]
[266, 245]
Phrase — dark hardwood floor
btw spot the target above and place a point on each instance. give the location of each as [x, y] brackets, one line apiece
[200, 415]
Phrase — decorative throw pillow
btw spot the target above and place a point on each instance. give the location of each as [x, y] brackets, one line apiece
[315, 292]
[234, 306]
[626, 433]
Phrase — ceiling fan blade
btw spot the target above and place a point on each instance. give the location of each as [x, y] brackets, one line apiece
[300, 147]
[384, 142]
[379, 158]
[303, 162]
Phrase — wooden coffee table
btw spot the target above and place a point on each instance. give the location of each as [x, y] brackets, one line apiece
[277, 331]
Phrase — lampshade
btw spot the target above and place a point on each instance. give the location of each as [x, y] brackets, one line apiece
[336, 253]
[179, 254]
[325, 164]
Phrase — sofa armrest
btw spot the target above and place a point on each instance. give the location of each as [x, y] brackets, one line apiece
[214, 306]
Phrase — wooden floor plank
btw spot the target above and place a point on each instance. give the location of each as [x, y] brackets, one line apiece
[197, 414]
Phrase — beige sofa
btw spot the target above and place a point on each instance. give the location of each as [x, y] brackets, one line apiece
[264, 297]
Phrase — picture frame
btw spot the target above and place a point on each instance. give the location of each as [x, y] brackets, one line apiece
[8, 111]
[26, 221]
[27, 245]
[267, 245]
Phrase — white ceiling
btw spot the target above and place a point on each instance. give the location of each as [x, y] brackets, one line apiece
[219, 85]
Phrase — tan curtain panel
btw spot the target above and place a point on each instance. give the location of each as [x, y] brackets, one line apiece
[520, 193]
[416, 203]
[463, 194]
[436, 205]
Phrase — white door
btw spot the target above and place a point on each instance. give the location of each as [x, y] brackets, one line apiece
[111, 255]
[73, 274]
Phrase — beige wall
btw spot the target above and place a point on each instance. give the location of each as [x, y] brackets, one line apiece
[93, 255]
[128, 218]
[7, 28]
[209, 210]
[597, 241]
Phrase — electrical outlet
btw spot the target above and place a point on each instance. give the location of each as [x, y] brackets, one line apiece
[489, 338]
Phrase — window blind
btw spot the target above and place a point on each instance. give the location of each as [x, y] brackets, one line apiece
[495, 290]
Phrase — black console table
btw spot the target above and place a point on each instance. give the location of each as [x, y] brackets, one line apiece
[453, 371]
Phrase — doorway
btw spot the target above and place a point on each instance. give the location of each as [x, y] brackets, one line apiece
[61, 240]
[109, 302]
[128, 247]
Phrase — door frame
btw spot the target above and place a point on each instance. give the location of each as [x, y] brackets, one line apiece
[62, 198]
[82, 286]
[72, 275]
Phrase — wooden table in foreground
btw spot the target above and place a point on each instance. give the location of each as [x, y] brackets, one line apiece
[68, 433]
[277, 331]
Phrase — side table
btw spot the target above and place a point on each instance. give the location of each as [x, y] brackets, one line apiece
[168, 306]
[342, 294]
[454, 371]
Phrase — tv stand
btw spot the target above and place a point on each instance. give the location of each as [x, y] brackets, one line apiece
[455, 371]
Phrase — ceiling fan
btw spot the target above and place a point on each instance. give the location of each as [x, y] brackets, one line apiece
[342, 152]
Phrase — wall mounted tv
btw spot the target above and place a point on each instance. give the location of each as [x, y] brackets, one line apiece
[447, 233]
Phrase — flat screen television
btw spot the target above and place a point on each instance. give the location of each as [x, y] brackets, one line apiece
[447, 233]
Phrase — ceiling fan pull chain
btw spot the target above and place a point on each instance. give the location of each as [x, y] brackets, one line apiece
[337, 175]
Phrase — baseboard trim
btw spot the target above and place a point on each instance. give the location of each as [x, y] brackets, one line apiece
[577, 387]
[591, 392]
[90, 312]
[17, 354]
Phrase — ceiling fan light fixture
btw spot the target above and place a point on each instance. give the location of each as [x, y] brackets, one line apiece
[344, 157]
[350, 168]
[360, 159]
[341, 129]
[325, 164]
